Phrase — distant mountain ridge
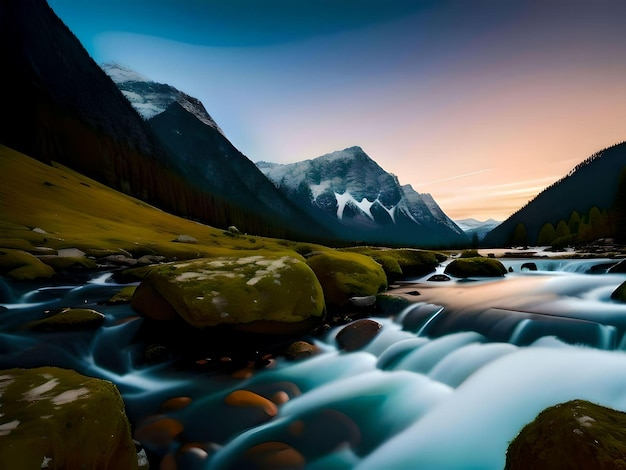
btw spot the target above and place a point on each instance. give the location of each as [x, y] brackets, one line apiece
[587, 203]
[480, 228]
[349, 192]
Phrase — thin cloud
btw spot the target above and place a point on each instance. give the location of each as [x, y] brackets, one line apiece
[456, 177]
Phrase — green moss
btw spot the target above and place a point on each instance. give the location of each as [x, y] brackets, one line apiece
[222, 290]
[470, 254]
[343, 275]
[79, 212]
[402, 262]
[21, 265]
[59, 263]
[73, 420]
[391, 304]
[476, 267]
[123, 296]
[576, 434]
[69, 318]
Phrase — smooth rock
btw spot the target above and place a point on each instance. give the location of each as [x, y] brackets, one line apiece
[357, 334]
[573, 435]
[300, 350]
[262, 294]
[57, 418]
[185, 239]
[69, 319]
[476, 267]
[344, 275]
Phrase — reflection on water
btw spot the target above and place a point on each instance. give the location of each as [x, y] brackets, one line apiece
[447, 383]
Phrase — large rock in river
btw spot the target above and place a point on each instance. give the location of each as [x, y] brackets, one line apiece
[57, 418]
[573, 435]
[344, 275]
[263, 293]
[476, 267]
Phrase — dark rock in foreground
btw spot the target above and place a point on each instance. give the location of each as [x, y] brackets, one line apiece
[357, 334]
[573, 435]
[57, 418]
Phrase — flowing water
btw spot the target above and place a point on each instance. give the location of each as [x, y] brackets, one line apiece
[447, 383]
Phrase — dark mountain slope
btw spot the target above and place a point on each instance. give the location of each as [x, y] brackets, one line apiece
[210, 161]
[60, 106]
[593, 183]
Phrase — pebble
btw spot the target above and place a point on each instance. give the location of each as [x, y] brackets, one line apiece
[357, 334]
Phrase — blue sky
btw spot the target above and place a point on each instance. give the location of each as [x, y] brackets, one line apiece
[481, 103]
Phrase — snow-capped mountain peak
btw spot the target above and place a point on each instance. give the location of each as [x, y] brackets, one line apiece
[121, 74]
[480, 228]
[349, 191]
[150, 98]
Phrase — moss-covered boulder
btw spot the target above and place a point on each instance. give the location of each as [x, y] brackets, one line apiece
[68, 319]
[60, 263]
[344, 275]
[402, 262]
[22, 266]
[261, 293]
[57, 418]
[123, 296]
[619, 294]
[576, 434]
[476, 267]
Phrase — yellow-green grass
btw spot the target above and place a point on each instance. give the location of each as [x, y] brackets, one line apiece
[76, 211]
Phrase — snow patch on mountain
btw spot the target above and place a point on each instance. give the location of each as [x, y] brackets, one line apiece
[318, 189]
[122, 74]
[150, 98]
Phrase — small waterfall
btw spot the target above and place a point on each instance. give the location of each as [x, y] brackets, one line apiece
[422, 331]
[518, 332]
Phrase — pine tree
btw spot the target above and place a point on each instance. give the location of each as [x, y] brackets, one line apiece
[546, 235]
[520, 236]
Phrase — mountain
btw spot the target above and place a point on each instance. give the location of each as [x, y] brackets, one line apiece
[150, 98]
[60, 106]
[586, 204]
[478, 227]
[350, 193]
[207, 159]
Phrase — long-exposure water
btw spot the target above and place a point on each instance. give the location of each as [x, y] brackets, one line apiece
[447, 383]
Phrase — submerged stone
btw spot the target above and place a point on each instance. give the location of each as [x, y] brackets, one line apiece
[357, 334]
[69, 319]
[57, 418]
[576, 434]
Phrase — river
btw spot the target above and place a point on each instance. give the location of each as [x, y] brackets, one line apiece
[447, 383]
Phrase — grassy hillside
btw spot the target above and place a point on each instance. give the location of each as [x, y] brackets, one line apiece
[76, 211]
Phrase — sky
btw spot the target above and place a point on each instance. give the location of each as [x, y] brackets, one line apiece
[481, 103]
